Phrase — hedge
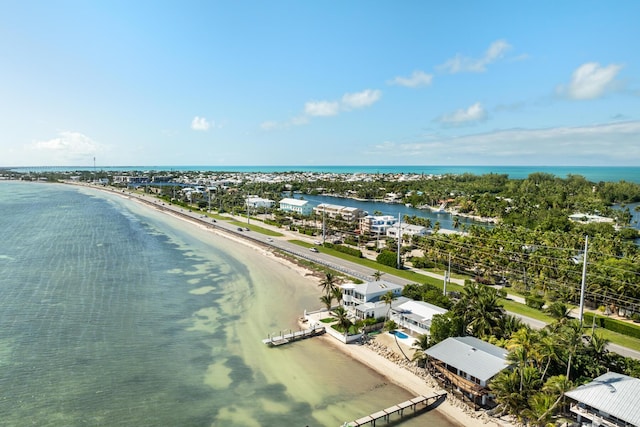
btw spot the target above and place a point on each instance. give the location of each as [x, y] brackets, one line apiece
[613, 325]
[344, 249]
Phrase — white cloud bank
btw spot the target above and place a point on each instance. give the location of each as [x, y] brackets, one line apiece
[68, 148]
[460, 64]
[608, 144]
[472, 114]
[348, 102]
[200, 123]
[591, 80]
[415, 80]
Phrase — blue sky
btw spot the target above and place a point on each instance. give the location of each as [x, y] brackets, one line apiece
[319, 83]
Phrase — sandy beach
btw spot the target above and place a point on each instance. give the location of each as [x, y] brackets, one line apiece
[379, 354]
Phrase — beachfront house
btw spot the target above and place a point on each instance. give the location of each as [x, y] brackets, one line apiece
[353, 294]
[375, 309]
[301, 207]
[376, 224]
[415, 316]
[609, 400]
[334, 211]
[467, 365]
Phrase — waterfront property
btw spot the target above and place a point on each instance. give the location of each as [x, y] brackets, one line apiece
[301, 207]
[334, 211]
[407, 230]
[258, 202]
[353, 294]
[610, 400]
[372, 224]
[467, 364]
[415, 316]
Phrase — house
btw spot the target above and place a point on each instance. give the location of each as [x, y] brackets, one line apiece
[376, 309]
[334, 211]
[298, 206]
[467, 364]
[258, 202]
[415, 316]
[408, 230]
[354, 295]
[376, 224]
[609, 400]
[590, 219]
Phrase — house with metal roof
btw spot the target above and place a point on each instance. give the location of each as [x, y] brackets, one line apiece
[610, 400]
[353, 294]
[301, 207]
[467, 364]
[415, 316]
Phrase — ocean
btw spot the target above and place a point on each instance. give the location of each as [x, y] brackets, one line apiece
[113, 314]
[591, 173]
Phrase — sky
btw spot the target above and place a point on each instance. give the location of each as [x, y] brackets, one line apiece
[215, 83]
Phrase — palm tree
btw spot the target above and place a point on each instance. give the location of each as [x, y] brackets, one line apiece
[343, 319]
[377, 275]
[328, 284]
[327, 300]
[337, 294]
[421, 345]
[388, 299]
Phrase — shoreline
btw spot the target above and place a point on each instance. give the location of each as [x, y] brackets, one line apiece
[456, 412]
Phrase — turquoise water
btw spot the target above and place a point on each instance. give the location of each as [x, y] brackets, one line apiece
[591, 173]
[115, 315]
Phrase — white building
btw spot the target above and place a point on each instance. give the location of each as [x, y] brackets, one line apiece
[415, 315]
[376, 224]
[333, 211]
[408, 230]
[258, 202]
[369, 292]
[590, 219]
[298, 206]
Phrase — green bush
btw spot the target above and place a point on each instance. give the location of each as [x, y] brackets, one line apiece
[388, 258]
[613, 325]
[534, 301]
[344, 249]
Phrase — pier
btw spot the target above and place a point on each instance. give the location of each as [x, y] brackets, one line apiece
[385, 414]
[276, 340]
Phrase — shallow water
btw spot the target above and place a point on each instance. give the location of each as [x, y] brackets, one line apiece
[113, 314]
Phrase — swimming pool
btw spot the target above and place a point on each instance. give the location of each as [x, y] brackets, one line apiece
[399, 334]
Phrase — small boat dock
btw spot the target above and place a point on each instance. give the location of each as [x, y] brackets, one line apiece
[385, 414]
[285, 338]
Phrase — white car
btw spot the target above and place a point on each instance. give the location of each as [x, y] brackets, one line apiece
[313, 249]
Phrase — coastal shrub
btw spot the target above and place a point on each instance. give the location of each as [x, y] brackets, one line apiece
[344, 249]
[613, 325]
[422, 262]
[534, 301]
[388, 258]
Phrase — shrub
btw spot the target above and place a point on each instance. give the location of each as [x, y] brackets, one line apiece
[613, 325]
[535, 301]
[344, 249]
[388, 258]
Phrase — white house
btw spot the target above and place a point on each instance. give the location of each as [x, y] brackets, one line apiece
[376, 309]
[415, 315]
[609, 400]
[298, 206]
[376, 224]
[353, 294]
[468, 364]
[258, 202]
[408, 230]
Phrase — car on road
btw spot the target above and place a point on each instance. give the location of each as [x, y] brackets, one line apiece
[313, 249]
[240, 229]
[269, 239]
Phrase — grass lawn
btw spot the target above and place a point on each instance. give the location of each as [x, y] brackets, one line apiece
[256, 228]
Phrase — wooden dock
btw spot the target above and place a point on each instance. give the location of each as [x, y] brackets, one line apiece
[276, 340]
[385, 414]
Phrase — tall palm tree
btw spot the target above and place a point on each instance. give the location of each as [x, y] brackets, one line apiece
[421, 345]
[327, 300]
[328, 284]
[343, 318]
[388, 300]
[377, 275]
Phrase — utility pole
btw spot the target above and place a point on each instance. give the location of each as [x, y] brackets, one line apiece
[584, 279]
[399, 239]
[324, 227]
[447, 275]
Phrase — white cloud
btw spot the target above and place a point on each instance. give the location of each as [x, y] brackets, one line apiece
[591, 81]
[270, 125]
[474, 113]
[200, 123]
[613, 143]
[68, 148]
[362, 99]
[459, 63]
[416, 79]
[321, 108]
